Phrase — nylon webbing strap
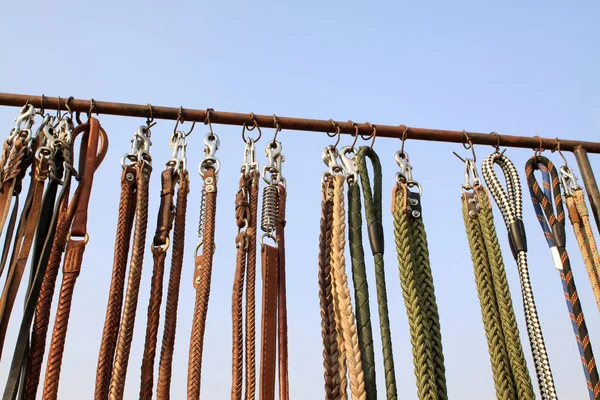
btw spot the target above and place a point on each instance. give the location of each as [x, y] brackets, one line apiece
[510, 203]
[553, 226]
[511, 376]
[419, 296]
[373, 212]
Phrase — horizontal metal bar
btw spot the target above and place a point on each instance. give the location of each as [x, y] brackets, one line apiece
[288, 123]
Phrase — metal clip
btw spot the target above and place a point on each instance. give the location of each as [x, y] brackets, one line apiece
[404, 176]
[568, 180]
[26, 118]
[349, 162]
[275, 161]
[140, 147]
[471, 175]
[178, 159]
[249, 164]
[211, 145]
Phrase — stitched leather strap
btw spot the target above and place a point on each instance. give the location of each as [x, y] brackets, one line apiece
[268, 348]
[127, 206]
[159, 253]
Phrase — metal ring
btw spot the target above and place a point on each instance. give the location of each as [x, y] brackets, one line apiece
[164, 248]
[86, 238]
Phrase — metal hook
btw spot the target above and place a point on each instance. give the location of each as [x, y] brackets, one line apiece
[337, 131]
[277, 130]
[42, 109]
[207, 121]
[404, 137]
[373, 133]
[469, 145]
[180, 120]
[93, 108]
[356, 134]
[538, 151]
[557, 148]
[69, 107]
[150, 120]
[58, 111]
[497, 145]
[254, 126]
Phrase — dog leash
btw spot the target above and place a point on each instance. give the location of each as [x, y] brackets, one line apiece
[246, 211]
[509, 368]
[580, 220]
[175, 169]
[510, 203]
[417, 284]
[553, 226]
[209, 171]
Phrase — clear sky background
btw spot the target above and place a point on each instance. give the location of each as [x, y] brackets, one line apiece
[521, 69]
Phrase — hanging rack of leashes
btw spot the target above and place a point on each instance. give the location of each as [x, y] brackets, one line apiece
[50, 229]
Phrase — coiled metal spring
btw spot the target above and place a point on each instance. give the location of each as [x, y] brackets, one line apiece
[202, 220]
[270, 208]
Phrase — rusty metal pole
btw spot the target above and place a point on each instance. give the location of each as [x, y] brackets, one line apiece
[287, 123]
[589, 181]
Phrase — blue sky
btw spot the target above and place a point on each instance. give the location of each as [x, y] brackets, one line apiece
[522, 69]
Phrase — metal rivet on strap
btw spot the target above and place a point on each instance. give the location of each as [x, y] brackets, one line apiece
[208, 180]
[210, 188]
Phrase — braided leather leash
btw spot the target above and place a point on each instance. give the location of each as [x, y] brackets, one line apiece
[94, 147]
[328, 322]
[246, 210]
[510, 203]
[46, 240]
[168, 341]
[580, 220]
[174, 169]
[553, 226]
[139, 156]
[209, 169]
[511, 377]
[417, 285]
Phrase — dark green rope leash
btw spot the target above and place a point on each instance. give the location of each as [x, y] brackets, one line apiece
[373, 214]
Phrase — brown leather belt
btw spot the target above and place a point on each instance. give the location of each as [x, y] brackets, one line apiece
[94, 145]
[246, 210]
[133, 206]
[203, 265]
[274, 311]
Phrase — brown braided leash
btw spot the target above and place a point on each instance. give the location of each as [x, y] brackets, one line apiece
[90, 159]
[125, 336]
[159, 247]
[328, 323]
[209, 169]
[246, 205]
[168, 341]
[127, 206]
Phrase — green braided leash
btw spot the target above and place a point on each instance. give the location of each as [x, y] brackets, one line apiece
[373, 213]
[361, 290]
[511, 376]
[417, 286]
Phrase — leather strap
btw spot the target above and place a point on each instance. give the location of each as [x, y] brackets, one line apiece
[268, 348]
[168, 343]
[22, 246]
[282, 299]
[202, 280]
[90, 158]
[159, 253]
[127, 207]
